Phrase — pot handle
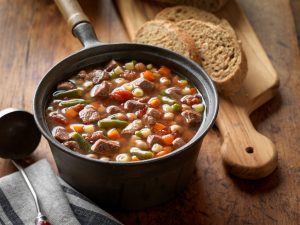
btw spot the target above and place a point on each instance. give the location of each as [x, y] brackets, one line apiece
[78, 22]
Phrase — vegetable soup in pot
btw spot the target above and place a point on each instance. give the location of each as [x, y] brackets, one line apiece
[125, 111]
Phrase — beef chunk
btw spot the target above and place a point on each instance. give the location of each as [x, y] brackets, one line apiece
[190, 99]
[82, 74]
[132, 127]
[149, 120]
[113, 109]
[174, 92]
[89, 114]
[178, 142]
[101, 90]
[143, 99]
[72, 145]
[58, 118]
[144, 84]
[92, 137]
[132, 105]
[191, 117]
[60, 134]
[111, 65]
[129, 75]
[154, 113]
[102, 145]
[65, 86]
[154, 139]
[100, 76]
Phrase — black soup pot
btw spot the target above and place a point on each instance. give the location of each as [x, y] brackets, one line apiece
[132, 185]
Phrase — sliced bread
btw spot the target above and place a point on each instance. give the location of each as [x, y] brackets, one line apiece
[166, 34]
[184, 12]
[209, 5]
[221, 53]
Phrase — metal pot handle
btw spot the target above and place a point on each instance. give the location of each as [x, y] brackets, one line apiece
[78, 22]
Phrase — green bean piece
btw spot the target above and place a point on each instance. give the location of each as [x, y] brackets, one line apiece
[113, 75]
[83, 144]
[162, 92]
[141, 154]
[167, 100]
[139, 133]
[112, 123]
[68, 93]
[176, 107]
[71, 102]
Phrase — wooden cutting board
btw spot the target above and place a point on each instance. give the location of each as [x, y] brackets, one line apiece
[245, 152]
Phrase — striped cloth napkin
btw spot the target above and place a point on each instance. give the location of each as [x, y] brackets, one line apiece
[59, 202]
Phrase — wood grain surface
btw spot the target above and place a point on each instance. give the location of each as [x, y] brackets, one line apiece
[245, 152]
[34, 37]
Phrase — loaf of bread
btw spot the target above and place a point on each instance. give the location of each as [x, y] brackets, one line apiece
[209, 5]
[221, 53]
[166, 34]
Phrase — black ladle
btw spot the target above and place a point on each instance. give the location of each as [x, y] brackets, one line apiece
[19, 137]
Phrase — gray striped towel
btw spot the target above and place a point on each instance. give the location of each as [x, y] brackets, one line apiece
[62, 204]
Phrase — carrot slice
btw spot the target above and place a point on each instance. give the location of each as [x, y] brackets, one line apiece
[168, 139]
[113, 134]
[159, 126]
[154, 102]
[134, 158]
[71, 113]
[193, 91]
[163, 152]
[96, 105]
[77, 127]
[148, 75]
[165, 71]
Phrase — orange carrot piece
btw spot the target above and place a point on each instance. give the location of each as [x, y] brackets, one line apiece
[168, 139]
[96, 105]
[71, 113]
[148, 75]
[113, 134]
[77, 127]
[154, 102]
[193, 91]
[134, 158]
[163, 152]
[165, 71]
[167, 148]
[159, 126]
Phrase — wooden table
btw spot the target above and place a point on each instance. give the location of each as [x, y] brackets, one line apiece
[34, 37]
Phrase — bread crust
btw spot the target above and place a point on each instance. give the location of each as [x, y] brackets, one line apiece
[209, 5]
[222, 55]
[166, 34]
[184, 12]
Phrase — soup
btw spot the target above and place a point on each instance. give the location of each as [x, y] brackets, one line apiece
[125, 112]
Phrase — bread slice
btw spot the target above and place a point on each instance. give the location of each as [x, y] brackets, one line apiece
[183, 12]
[166, 34]
[221, 53]
[209, 5]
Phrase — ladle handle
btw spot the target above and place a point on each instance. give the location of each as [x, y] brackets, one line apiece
[40, 219]
[72, 12]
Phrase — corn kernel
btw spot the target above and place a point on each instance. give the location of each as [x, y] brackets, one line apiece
[157, 148]
[89, 128]
[138, 92]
